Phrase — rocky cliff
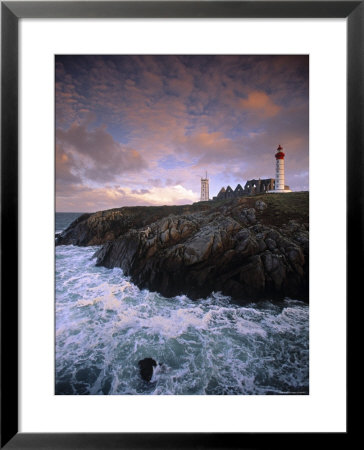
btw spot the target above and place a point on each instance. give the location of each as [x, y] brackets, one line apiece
[104, 226]
[249, 248]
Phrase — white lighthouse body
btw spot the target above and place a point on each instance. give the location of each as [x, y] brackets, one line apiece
[204, 189]
[279, 181]
[279, 170]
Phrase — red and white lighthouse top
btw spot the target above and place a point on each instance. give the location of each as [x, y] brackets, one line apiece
[280, 154]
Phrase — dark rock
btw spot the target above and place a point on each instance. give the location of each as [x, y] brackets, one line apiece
[271, 244]
[146, 368]
[248, 216]
[206, 247]
[201, 253]
[104, 226]
[260, 205]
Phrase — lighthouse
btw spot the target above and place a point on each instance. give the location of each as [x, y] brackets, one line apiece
[279, 185]
[205, 189]
[279, 169]
[279, 181]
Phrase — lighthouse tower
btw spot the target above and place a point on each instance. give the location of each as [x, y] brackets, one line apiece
[279, 180]
[279, 186]
[205, 189]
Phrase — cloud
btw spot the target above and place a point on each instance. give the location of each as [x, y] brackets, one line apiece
[260, 103]
[169, 195]
[83, 199]
[170, 118]
[204, 147]
[156, 182]
[95, 154]
[64, 166]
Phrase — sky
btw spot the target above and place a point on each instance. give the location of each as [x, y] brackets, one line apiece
[143, 130]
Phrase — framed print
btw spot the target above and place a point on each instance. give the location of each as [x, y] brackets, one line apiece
[167, 90]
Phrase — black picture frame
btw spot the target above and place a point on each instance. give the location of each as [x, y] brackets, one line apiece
[11, 12]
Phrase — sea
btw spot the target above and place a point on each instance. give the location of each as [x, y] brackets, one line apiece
[105, 324]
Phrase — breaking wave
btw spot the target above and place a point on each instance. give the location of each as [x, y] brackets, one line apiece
[105, 325]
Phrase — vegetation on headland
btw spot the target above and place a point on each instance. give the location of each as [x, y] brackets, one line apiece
[103, 226]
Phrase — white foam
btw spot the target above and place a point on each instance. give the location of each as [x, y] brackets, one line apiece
[105, 324]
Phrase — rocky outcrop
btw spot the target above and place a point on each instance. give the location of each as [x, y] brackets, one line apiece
[228, 248]
[96, 229]
[105, 226]
[146, 366]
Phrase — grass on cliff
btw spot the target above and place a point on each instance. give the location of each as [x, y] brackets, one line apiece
[159, 211]
[281, 207]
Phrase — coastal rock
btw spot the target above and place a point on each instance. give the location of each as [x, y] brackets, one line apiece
[105, 226]
[146, 368]
[218, 250]
[260, 205]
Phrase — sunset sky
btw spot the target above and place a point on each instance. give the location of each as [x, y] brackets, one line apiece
[142, 130]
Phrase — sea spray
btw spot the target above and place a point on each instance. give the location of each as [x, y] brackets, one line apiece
[105, 325]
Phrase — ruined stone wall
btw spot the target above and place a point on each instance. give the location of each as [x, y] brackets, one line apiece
[251, 187]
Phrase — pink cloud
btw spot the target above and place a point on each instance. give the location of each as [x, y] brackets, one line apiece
[222, 114]
[95, 199]
[260, 103]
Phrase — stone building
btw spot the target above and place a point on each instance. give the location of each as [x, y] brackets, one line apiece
[251, 187]
[204, 189]
[259, 186]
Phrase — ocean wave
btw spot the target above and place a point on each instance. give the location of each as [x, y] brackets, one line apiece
[105, 325]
